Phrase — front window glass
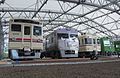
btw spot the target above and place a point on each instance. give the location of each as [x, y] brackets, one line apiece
[27, 30]
[88, 41]
[37, 31]
[73, 35]
[62, 35]
[16, 27]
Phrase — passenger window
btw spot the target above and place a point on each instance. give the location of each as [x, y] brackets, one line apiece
[26, 30]
[79, 42]
[52, 40]
[82, 41]
[98, 41]
[16, 27]
[94, 42]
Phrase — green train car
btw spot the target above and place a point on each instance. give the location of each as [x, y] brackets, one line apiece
[117, 46]
[107, 46]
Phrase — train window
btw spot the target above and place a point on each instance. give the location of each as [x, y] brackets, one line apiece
[27, 30]
[52, 40]
[88, 41]
[98, 41]
[82, 41]
[73, 35]
[37, 31]
[16, 27]
[79, 42]
[94, 41]
[62, 35]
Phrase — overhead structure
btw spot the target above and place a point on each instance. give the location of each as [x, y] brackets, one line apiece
[100, 17]
[39, 9]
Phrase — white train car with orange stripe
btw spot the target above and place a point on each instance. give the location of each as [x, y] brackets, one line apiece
[89, 45]
[25, 39]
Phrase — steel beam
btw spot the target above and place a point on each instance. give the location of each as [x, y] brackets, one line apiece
[91, 4]
[39, 9]
[73, 1]
[1, 40]
[97, 29]
[82, 15]
[101, 26]
[61, 15]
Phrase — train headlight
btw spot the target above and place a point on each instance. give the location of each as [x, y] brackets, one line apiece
[13, 39]
[39, 40]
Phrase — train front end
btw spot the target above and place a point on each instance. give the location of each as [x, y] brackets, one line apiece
[25, 39]
[68, 43]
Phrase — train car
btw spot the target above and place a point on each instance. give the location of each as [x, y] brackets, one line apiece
[107, 46]
[117, 47]
[89, 45]
[62, 43]
[25, 39]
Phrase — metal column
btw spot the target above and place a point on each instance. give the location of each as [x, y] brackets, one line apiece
[1, 40]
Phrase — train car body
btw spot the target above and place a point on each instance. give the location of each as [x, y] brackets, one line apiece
[62, 43]
[107, 46]
[117, 46]
[25, 39]
[89, 45]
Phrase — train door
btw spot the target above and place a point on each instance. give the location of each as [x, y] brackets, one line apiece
[27, 38]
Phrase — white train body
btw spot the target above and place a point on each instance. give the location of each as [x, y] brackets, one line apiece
[89, 44]
[25, 39]
[62, 43]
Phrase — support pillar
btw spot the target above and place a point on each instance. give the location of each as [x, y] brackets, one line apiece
[1, 40]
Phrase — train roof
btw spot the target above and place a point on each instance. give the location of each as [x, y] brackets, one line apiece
[66, 30]
[20, 20]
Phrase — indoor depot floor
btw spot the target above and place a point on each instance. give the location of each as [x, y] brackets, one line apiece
[95, 70]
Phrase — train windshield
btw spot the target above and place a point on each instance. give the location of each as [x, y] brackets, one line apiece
[62, 35]
[16, 27]
[88, 40]
[73, 35]
[37, 31]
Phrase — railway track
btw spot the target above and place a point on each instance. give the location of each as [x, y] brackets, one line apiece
[48, 60]
[59, 61]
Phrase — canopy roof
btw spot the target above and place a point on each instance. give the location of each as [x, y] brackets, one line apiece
[100, 17]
